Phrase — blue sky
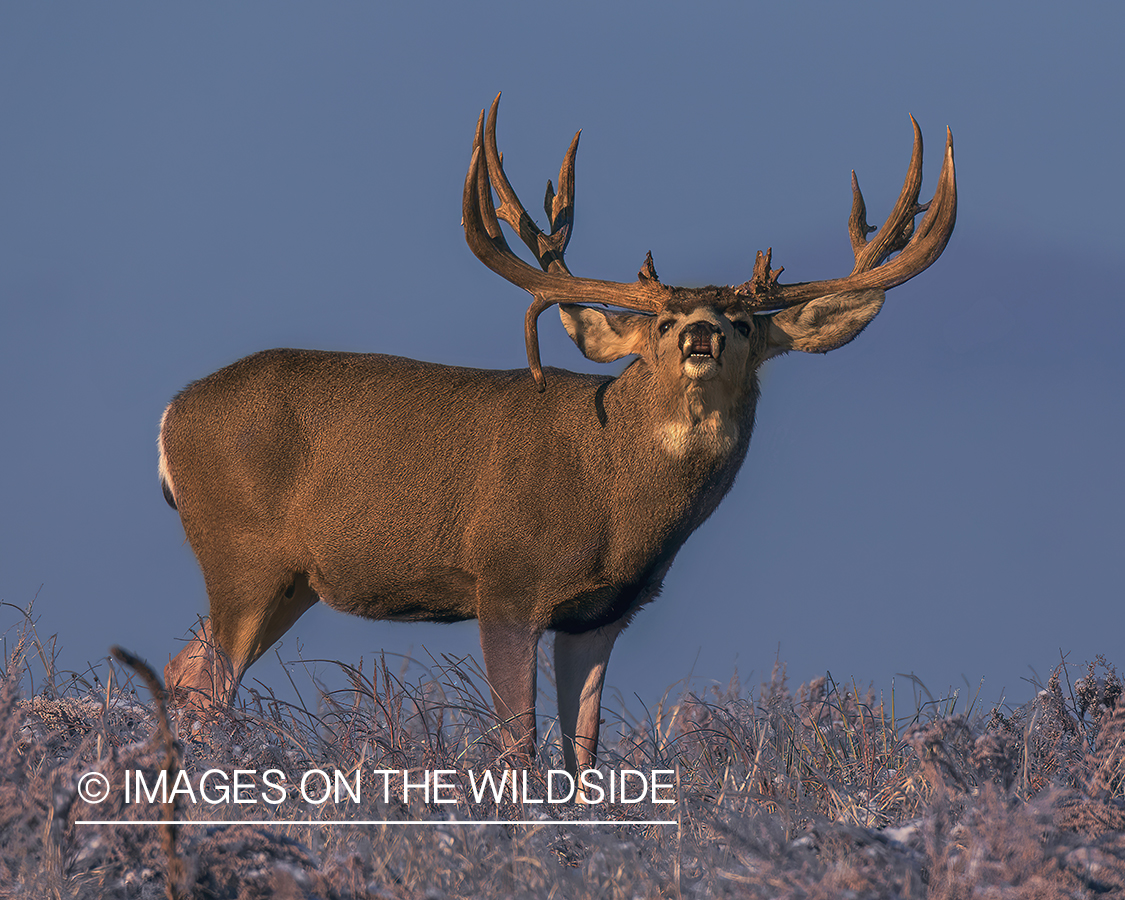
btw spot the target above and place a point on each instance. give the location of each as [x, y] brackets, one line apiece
[186, 184]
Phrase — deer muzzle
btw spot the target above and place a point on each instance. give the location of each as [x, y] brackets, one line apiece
[701, 349]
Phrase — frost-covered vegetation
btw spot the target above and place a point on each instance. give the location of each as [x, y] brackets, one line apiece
[818, 791]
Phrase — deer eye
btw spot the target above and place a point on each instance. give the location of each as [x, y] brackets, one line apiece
[742, 328]
[663, 327]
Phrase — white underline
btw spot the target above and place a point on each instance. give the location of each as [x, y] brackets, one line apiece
[278, 822]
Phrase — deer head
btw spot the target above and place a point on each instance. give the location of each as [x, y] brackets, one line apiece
[808, 316]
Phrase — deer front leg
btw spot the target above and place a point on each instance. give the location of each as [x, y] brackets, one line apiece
[510, 661]
[580, 664]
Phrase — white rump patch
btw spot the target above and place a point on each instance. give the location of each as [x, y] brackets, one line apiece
[162, 465]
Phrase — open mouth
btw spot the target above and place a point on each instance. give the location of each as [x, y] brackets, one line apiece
[701, 355]
[698, 344]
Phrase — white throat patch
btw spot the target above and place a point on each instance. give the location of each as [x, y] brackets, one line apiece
[712, 435]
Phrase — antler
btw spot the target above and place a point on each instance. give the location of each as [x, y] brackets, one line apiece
[548, 249]
[919, 247]
[554, 284]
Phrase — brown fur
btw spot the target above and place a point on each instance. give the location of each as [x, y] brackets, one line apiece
[395, 489]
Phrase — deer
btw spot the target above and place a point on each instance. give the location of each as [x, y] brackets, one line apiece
[532, 500]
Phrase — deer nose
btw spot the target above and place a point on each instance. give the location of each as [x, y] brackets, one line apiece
[702, 339]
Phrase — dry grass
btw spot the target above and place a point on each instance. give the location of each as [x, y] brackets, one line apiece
[817, 792]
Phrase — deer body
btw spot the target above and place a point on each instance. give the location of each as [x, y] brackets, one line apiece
[394, 489]
[405, 490]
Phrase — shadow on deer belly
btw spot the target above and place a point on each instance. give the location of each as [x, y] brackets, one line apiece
[436, 595]
[597, 608]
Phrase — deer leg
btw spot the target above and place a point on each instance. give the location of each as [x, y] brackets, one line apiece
[198, 675]
[209, 669]
[580, 664]
[288, 606]
[511, 662]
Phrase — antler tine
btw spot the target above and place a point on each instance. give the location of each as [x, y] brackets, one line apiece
[919, 250]
[482, 229]
[560, 207]
[554, 284]
[486, 240]
[917, 247]
[548, 249]
[945, 200]
[858, 229]
[896, 231]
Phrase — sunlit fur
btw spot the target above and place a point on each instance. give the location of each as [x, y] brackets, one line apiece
[162, 466]
[410, 491]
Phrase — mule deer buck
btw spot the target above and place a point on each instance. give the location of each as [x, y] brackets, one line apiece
[412, 491]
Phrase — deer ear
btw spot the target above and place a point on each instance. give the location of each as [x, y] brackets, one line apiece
[823, 324]
[605, 336]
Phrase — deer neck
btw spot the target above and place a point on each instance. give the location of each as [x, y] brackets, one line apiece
[706, 422]
[700, 420]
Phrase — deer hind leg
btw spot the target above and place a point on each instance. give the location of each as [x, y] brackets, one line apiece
[510, 660]
[580, 666]
[239, 630]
